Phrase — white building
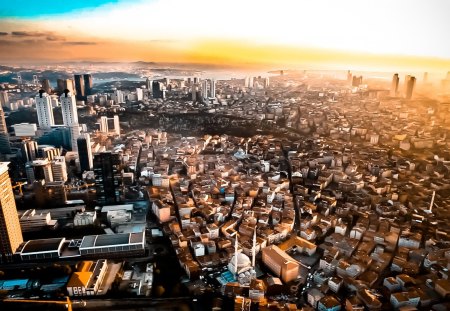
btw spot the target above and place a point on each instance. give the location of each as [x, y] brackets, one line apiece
[69, 109]
[139, 93]
[25, 129]
[118, 97]
[44, 110]
[84, 219]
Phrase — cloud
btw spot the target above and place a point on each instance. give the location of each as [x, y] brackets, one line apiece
[79, 43]
[55, 38]
[29, 34]
[3, 33]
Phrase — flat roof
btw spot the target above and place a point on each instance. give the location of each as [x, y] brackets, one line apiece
[43, 245]
[112, 239]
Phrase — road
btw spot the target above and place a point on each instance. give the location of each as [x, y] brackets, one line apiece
[176, 304]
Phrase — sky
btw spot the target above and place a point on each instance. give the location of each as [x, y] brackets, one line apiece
[364, 34]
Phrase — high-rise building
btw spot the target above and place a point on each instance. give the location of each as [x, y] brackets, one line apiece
[157, 89]
[139, 93]
[11, 233]
[44, 110]
[394, 85]
[46, 86]
[108, 175]
[5, 147]
[114, 125]
[212, 88]
[119, 97]
[69, 108]
[59, 169]
[267, 82]
[48, 152]
[349, 77]
[75, 131]
[357, 81]
[88, 84]
[148, 84]
[410, 87]
[405, 84]
[65, 84]
[425, 77]
[4, 99]
[39, 169]
[28, 148]
[103, 124]
[79, 87]
[205, 89]
[85, 152]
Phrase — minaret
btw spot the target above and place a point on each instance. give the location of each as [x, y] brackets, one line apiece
[236, 255]
[254, 249]
[432, 202]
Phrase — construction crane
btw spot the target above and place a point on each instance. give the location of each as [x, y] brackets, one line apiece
[68, 303]
[20, 184]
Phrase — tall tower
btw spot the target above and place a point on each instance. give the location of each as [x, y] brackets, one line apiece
[59, 169]
[107, 171]
[254, 249]
[410, 87]
[4, 137]
[46, 86]
[88, 84]
[85, 152]
[213, 88]
[394, 85]
[4, 99]
[79, 87]
[69, 108]
[11, 233]
[44, 110]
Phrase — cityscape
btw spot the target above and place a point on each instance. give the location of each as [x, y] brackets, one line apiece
[145, 165]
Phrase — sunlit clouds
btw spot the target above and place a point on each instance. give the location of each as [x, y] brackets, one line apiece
[327, 32]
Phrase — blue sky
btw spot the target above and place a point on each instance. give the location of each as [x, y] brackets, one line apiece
[30, 9]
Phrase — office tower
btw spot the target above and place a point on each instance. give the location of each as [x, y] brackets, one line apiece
[69, 108]
[88, 84]
[85, 152]
[148, 84]
[205, 89]
[28, 148]
[194, 93]
[196, 80]
[58, 136]
[48, 152]
[44, 110]
[11, 234]
[75, 131]
[425, 77]
[39, 169]
[212, 88]
[65, 84]
[103, 124]
[139, 93]
[35, 80]
[119, 97]
[394, 85]
[349, 77]
[59, 169]
[410, 87]
[4, 137]
[79, 87]
[157, 89]
[107, 171]
[46, 86]
[4, 99]
[114, 125]
[267, 82]
[405, 84]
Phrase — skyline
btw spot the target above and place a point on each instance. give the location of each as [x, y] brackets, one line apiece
[406, 35]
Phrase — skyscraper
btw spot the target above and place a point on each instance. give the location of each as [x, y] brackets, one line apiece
[212, 88]
[394, 85]
[44, 110]
[4, 99]
[69, 108]
[410, 87]
[59, 169]
[108, 175]
[4, 137]
[85, 152]
[63, 84]
[46, 86]
[88, 84]
[157, 89]
[79, 87]
[28, 148]
[11, 233]
[405, 84]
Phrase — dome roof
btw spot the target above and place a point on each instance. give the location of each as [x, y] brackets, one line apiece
[242, 261]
